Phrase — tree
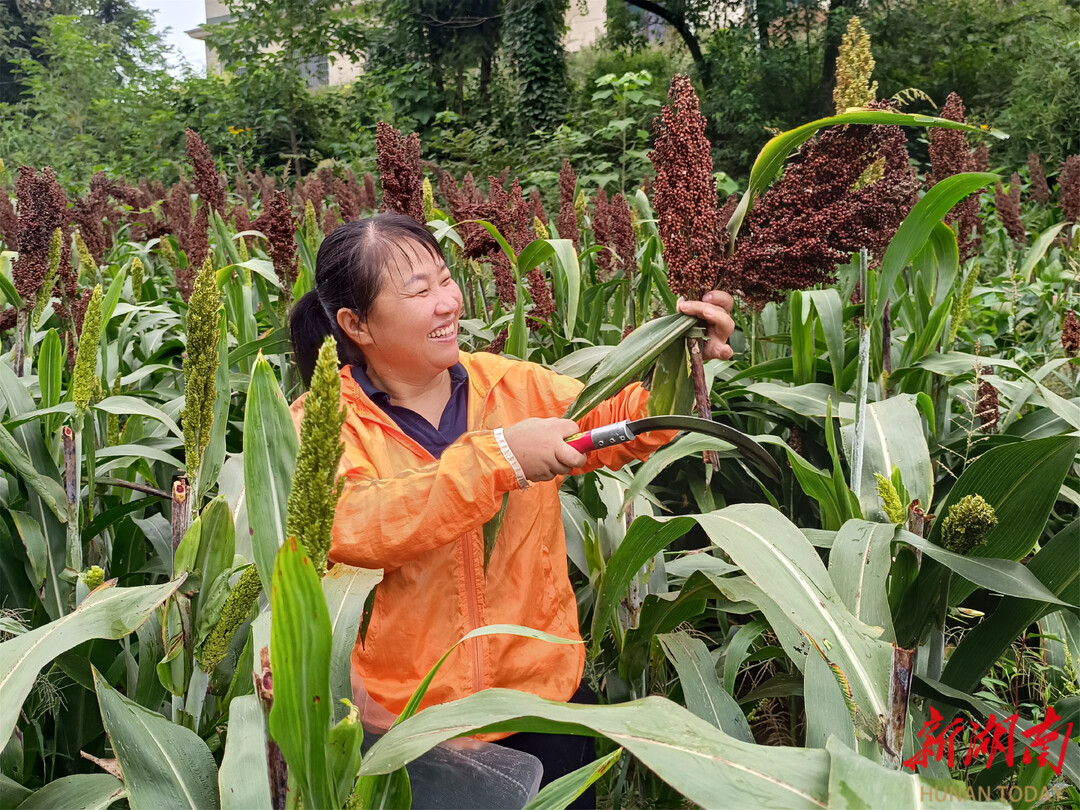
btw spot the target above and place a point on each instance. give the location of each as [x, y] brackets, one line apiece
[533, 34]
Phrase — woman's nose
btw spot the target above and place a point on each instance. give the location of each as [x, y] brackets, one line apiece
[451, 301]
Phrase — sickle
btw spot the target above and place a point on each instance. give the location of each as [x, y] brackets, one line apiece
[627, 430]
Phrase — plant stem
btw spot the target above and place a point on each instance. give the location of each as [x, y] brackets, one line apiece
[701, 394]
[71, 489]
[903, 667]
[19, 355]
[181, 512]
[861, 384]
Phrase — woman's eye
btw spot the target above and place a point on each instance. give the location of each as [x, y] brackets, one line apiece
[446, 281]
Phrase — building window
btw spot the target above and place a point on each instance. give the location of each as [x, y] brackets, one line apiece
[315, 71]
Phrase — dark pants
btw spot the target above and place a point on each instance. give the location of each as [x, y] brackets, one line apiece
[560, 754]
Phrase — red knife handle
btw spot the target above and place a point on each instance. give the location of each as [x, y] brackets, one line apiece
[604, 436]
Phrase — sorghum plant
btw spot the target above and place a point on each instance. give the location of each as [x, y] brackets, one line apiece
[398, 159]
[1040, 190]
[966, 525]
[1007, 204]
[200, 366]
[950, 155]
[567, 221]
[854, 65]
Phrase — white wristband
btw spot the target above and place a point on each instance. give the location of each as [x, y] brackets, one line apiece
[508, 454]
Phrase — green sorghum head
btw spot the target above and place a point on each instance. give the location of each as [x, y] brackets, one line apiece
[84, 379]
[315, 487]
[165, 248]
[237, 605]
[311, 224]
[242, 249]
[200, 364]
[87, 265]
[93, 576]
[580, 204]
[854, 65]
[56, 246]
[428, 201]
[966, 525]
[890, 500]
[137, 272]
[960, 304]
[540, 228]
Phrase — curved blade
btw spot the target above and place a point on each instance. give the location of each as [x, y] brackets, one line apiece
[749, 448]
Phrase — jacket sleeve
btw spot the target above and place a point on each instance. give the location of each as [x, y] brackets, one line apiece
[386, 522]
[552, 394]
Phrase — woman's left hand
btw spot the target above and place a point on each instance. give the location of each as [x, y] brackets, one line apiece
[715, 309]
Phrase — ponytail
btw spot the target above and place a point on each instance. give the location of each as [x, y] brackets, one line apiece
[349, 273]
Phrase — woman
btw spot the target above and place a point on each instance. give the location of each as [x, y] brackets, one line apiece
[434, 438]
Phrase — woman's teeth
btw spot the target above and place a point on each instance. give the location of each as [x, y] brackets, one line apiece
[445, 331]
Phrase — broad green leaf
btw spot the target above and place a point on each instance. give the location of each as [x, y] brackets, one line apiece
[827, 713]
[689, 444]
[270, 448]
[300, 649]
[700, 761]
[108, 303]
[805, 400]
[1021, 482]
[84, 791]
[244, 780]
[385, 792]
[126, 406]
[108, 612]
[939, 261]
[216, 547]
[417, 698]
[856, 783]
[830, 314]
[51, 364]
[579, 363]
[704, 694]
[37, 548]
[629, 360]
[274, 343]
[772, 156]
[1037, 250]
[517, 339]
[981, 646]
[859, 565]
[7, 288]
[894, 437]
[566, 263]
[346, 738]
[346, 590]
[561, 793]
[918, 225]
[47, 488]
[164, 764]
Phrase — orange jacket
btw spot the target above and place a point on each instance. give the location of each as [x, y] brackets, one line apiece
[421, 520]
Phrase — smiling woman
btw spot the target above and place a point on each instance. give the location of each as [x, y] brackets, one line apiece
[437, 441]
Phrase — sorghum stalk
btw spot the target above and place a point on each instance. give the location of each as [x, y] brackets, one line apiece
[200, 367]
[316, 487]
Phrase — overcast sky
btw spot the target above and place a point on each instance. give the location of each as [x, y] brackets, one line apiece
[180, 16]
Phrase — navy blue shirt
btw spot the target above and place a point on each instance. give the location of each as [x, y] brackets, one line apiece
[454, 419]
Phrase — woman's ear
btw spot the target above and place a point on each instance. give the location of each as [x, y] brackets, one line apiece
[354, 328]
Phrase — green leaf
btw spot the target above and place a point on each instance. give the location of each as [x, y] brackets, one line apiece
[164, 764]
[270, 448]
[84, 791]
[517, 339]
[561, 793]
[689, 444]
[918, 226]
[830, 314]
[772, 156]
[1037, 250]
[244, 780]
[47, 488]
[827, 712]
[108, 304]
[859, 564]
[704, 764]
[51, 364]
[108, 612]
[856, 783]
[216, 548]
[126, 406]
[388, 792]
[805, 400]
[346, 738]
[981, 646]
[939, 261]
[346, 590]
[629, 360]
[566, 263]
[704, 694]
[1021, 482]
[301, 642]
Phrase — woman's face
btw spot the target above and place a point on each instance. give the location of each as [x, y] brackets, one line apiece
[412, 328]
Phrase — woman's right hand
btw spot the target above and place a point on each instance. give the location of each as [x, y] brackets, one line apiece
[541, 449]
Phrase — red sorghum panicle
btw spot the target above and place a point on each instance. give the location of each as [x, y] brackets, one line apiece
[626, 331]
[398, 159]
[1008, 210]
[511, 214]
[9, 221]
[504, 175]
[499, 343]
[536, 206]
[1070, 333]
[241, 218]
[311, 190]
[8, 318]
[42, 208]
[208, 181]
[980, 157]
[1069, 188]
[543, 303]
[504, 277]
[89, 214]
[986, 407]
[278, 225]
[1040, 190]
[329, 221]
[685, 199]
[605, 259]
[369, 200]
[614, 229]
[197, 247]
[950, 155]
[243, 188]
[646, 186]
[851, 188]
[566, 223]
[347, 203]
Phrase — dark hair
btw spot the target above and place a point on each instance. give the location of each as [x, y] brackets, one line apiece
[349, 273]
